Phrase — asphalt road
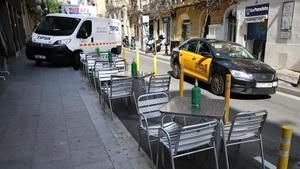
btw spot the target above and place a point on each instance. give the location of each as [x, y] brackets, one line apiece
[282, 109]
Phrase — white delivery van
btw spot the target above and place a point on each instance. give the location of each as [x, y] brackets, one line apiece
[60, 38]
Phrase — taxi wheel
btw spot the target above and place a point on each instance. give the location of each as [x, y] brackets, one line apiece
[217, 84]
[176, 70]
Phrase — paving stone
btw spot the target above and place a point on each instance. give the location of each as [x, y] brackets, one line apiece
[17, 139]
[90, 155]
[16, 153]
[78, 121]
[99, 165]
[16, 164]
[51, 138]
[74, 109]
[82, 131]
[50, 152]
[56, 164]
[77, 143]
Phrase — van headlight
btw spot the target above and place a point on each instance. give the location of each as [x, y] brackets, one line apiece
[241, 75]
[63, 42]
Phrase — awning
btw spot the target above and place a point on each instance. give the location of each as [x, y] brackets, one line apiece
[255, 19]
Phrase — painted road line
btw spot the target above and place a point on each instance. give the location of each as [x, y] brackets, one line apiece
[288, 95]
[267, 163]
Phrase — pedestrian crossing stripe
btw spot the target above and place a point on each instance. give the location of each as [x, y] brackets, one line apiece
[100, 43]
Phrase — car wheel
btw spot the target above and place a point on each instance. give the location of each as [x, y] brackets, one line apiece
[217, 84]
[176, 70]
[38, 62]
[76, 61]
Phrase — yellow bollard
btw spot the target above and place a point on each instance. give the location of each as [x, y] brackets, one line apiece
[155, 64]
[181, 81]
[285, 144]
[124, 57]
[227, 96]
[137, 60]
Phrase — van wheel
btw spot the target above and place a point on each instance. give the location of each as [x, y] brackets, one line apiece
[38, 62]
[217, 84]
[76, 61]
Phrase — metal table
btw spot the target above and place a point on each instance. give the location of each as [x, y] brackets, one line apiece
[181, 106]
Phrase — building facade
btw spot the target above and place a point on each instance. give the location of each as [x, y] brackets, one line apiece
[17, 20]
[272, 35]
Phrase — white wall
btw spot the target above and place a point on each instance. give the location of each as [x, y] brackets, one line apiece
[283, 53]
[279, 53]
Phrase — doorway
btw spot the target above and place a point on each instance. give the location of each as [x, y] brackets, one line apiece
[256, 38]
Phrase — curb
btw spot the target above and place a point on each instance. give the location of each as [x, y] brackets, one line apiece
[289, 91]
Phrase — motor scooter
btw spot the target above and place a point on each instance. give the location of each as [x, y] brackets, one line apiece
[150, 45]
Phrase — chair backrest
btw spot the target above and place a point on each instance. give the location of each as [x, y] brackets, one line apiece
[120, 64]
[197, 135]
[121, 87]
[105, 74]
[247, 125]
[159, 83]
[150, 104]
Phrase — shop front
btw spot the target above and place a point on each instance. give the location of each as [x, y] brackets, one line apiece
[256, 20]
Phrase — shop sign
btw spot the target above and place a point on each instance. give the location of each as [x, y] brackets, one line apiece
[166, 20]
[257, 10]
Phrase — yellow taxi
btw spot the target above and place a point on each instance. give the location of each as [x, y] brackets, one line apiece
[210, 60]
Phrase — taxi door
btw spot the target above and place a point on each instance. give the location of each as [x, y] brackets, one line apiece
[203, 61]
[187, 57]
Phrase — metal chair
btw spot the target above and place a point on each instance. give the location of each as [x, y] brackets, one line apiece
[101, 66]
[119, 87]
[148, 108]
[188, 140]
[246, 127]
[159, 83]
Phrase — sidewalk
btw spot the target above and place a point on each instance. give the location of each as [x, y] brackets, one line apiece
[51, 119]
[283, 86]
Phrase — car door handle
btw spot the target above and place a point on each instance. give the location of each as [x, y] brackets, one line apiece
[92, 39]
[193, 58]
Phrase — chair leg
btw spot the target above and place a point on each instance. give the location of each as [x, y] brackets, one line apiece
[150, 150]
[172, 161]
[216, 156]
[157, 154]
[111, 110]
[262, 153]
[139, 147]
[226, 154]
[238, 148]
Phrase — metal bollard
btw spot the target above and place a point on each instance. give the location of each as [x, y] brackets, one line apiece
[285, 144]
[227, 96]
[181, 81]
[137, 60]
[124, 57]
[155, 64]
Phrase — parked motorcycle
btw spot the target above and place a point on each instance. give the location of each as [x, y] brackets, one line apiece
[150, 45]
[132, 43]
[125, 41]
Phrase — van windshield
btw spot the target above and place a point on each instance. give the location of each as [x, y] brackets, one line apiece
[59, 26]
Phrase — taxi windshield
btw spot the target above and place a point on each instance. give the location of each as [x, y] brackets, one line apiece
[229, 50]
[59, 26]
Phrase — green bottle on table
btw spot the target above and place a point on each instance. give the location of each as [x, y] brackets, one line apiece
[110, 56]
[133, 68]
[98, 51]
[196, 95]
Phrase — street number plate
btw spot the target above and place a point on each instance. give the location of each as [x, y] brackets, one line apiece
[264, 85]
[40, 56]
